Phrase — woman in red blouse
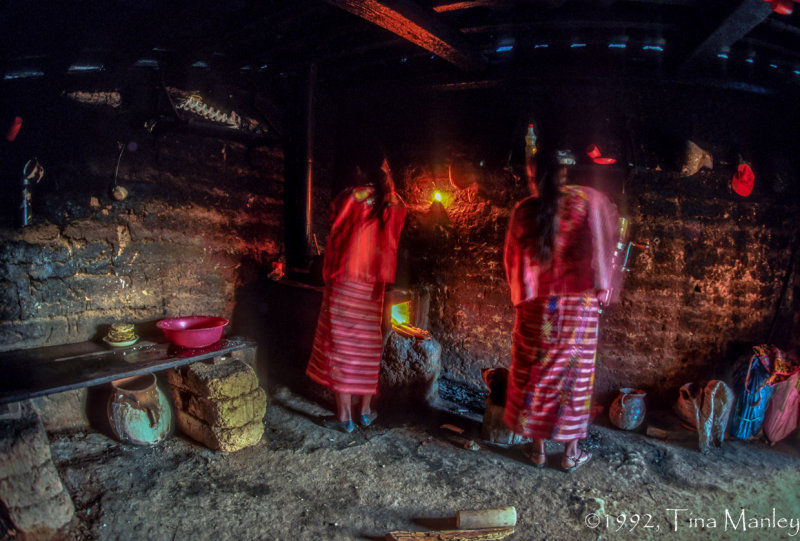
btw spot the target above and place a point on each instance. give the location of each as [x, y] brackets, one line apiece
[360, 260]
[559, 265]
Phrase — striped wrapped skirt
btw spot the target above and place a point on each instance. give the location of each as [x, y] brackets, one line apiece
[552, 368]
[348, 344]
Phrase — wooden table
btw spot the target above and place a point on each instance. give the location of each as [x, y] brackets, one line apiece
[29, 373]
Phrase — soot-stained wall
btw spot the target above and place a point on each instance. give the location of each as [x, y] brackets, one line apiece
[203, 216]
[707, 287]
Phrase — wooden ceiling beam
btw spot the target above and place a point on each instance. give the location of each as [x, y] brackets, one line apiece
[470, 4]
[418, 25]
[737, 24]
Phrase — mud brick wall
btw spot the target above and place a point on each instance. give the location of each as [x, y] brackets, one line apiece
[456, 254]
[32, 495]
[706, 290]
[204, 214]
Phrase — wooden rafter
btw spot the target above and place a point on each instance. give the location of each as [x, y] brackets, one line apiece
[469, 4]
[740, 21]
[418, 25]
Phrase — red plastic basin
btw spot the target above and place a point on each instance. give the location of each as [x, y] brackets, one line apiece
[193, 331]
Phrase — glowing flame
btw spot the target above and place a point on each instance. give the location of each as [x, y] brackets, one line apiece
[401, 313]
[442, 197]
[401, 323]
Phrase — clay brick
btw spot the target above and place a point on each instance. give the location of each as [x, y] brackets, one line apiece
[23, 445]
[227, 413]
[33, 332]
[32, 487]
[63, 410]
[45, 516]
[219, 379]
[220, 439]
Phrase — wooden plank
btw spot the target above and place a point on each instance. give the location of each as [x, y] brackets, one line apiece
[418, 25]
[484, 534]
[41, 371]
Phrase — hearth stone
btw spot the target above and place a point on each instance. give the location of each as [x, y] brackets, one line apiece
[410, 371]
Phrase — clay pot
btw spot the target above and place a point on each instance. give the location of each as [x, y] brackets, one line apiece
[628, 409]
[138, 411]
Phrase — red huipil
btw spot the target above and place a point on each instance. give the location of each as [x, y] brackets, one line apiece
[555, 330]
[585, 252]
[359, 250]
[360, 258]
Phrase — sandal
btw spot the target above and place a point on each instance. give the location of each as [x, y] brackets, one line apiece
[538, 459]
[342, 426]
[572, 463]
[367, 419]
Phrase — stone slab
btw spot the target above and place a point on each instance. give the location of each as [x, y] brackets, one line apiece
[41, 371]
[246, 355]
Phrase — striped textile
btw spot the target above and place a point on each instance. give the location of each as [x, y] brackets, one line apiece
[348, 343]
[552, 368]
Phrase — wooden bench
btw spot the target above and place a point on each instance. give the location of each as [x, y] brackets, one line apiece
[33, 495]
[31, 373]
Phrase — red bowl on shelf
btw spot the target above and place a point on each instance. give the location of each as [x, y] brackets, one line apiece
[193, 331]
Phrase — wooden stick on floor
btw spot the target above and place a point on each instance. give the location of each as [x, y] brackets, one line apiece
[484, 534]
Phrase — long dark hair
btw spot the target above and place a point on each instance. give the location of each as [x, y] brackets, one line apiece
[538, 216]
[368, 169]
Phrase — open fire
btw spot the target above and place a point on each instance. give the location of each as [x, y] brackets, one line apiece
[401, 322]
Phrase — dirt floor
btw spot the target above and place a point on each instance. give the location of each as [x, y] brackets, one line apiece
[304, 481]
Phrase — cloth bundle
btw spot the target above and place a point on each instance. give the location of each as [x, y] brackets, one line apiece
[782, 414]
[755, 378]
